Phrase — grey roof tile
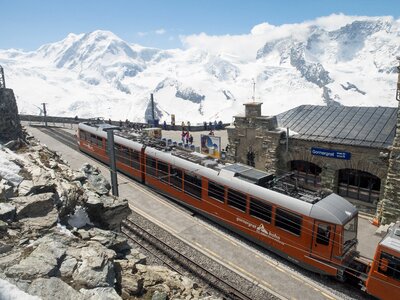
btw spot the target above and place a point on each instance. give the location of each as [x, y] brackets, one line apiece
[351, 125]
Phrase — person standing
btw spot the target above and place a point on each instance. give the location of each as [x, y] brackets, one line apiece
[187, 137]
[191, 139]
[183, 136]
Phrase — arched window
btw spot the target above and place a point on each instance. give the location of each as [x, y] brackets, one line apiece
[359, 185]
[306, 173]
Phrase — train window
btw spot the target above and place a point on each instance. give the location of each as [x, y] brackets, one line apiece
[260, 210]
[86, 136]
[99, 141]
[389, 265]
[192, 185]
[93, 139]
[135, 159]
[162, 173]
[122, 154]
[151, 164]
[323, 234]
[216, 191]
[82, 135]
[237, 200]
[288, 221]
[175, 178]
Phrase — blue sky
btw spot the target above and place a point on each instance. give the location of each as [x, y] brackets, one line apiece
[28, 24]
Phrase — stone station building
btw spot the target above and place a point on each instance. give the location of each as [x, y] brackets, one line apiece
[346, 150]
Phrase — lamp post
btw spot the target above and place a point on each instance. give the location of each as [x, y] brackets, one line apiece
[111, 153]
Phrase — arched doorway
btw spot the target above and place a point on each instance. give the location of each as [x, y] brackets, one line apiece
[306, 173]
[359, 185]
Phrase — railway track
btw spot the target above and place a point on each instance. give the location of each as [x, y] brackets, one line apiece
[185, 260]
[60, 135]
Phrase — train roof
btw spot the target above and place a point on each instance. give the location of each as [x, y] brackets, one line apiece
[392, 238]
[124, 138]
[332, 208]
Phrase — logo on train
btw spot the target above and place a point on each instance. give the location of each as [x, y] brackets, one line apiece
[261, 229]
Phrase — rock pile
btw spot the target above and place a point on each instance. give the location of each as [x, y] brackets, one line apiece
[60, 239]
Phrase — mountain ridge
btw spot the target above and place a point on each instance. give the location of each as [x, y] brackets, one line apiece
[98, 74]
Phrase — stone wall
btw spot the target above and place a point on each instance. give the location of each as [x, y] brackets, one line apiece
[256, 134]
[10, 126]
[371, 160]
[389, 208]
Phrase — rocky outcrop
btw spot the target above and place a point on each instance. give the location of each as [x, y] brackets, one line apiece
[60, 239]
[10, 127]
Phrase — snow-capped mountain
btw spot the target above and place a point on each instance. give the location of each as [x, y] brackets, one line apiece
[336, 60]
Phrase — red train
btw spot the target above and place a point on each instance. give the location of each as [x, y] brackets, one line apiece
[314, 231]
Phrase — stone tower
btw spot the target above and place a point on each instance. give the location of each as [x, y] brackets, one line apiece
[10, 126]
[389, 207]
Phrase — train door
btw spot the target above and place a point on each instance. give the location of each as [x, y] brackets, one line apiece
[322, 240]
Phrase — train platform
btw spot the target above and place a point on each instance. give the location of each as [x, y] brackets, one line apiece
[276, 275]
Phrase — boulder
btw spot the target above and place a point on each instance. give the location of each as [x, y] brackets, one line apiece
[70, 196]
[96, 180]
[101, 293]
[5, 247]
[41, 262]
[107, 211]
[6, 189]
[41, 180]
[3, 227]
[96, 268]
[34, 206]
[53, 289]
[7, 212]
[68, 267]
[131, 285]
[111, 240]
[9, 260]
[43, 223]
[158, 278]
[159, 296]
[25, 187]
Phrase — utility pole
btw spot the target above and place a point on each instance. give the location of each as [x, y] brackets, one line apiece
[111, 153]
[44, 114]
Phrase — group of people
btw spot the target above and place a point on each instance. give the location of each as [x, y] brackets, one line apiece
[187, 138]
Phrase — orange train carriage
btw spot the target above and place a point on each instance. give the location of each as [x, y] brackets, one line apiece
[316, 232]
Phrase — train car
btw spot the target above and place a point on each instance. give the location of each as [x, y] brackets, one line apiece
[383, 279]
[92, 139]
[317, 233]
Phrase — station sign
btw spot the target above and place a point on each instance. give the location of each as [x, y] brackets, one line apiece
[330, 153]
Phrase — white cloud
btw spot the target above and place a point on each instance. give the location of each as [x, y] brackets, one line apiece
[246, 45]
[140, 33]
[160, 31]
